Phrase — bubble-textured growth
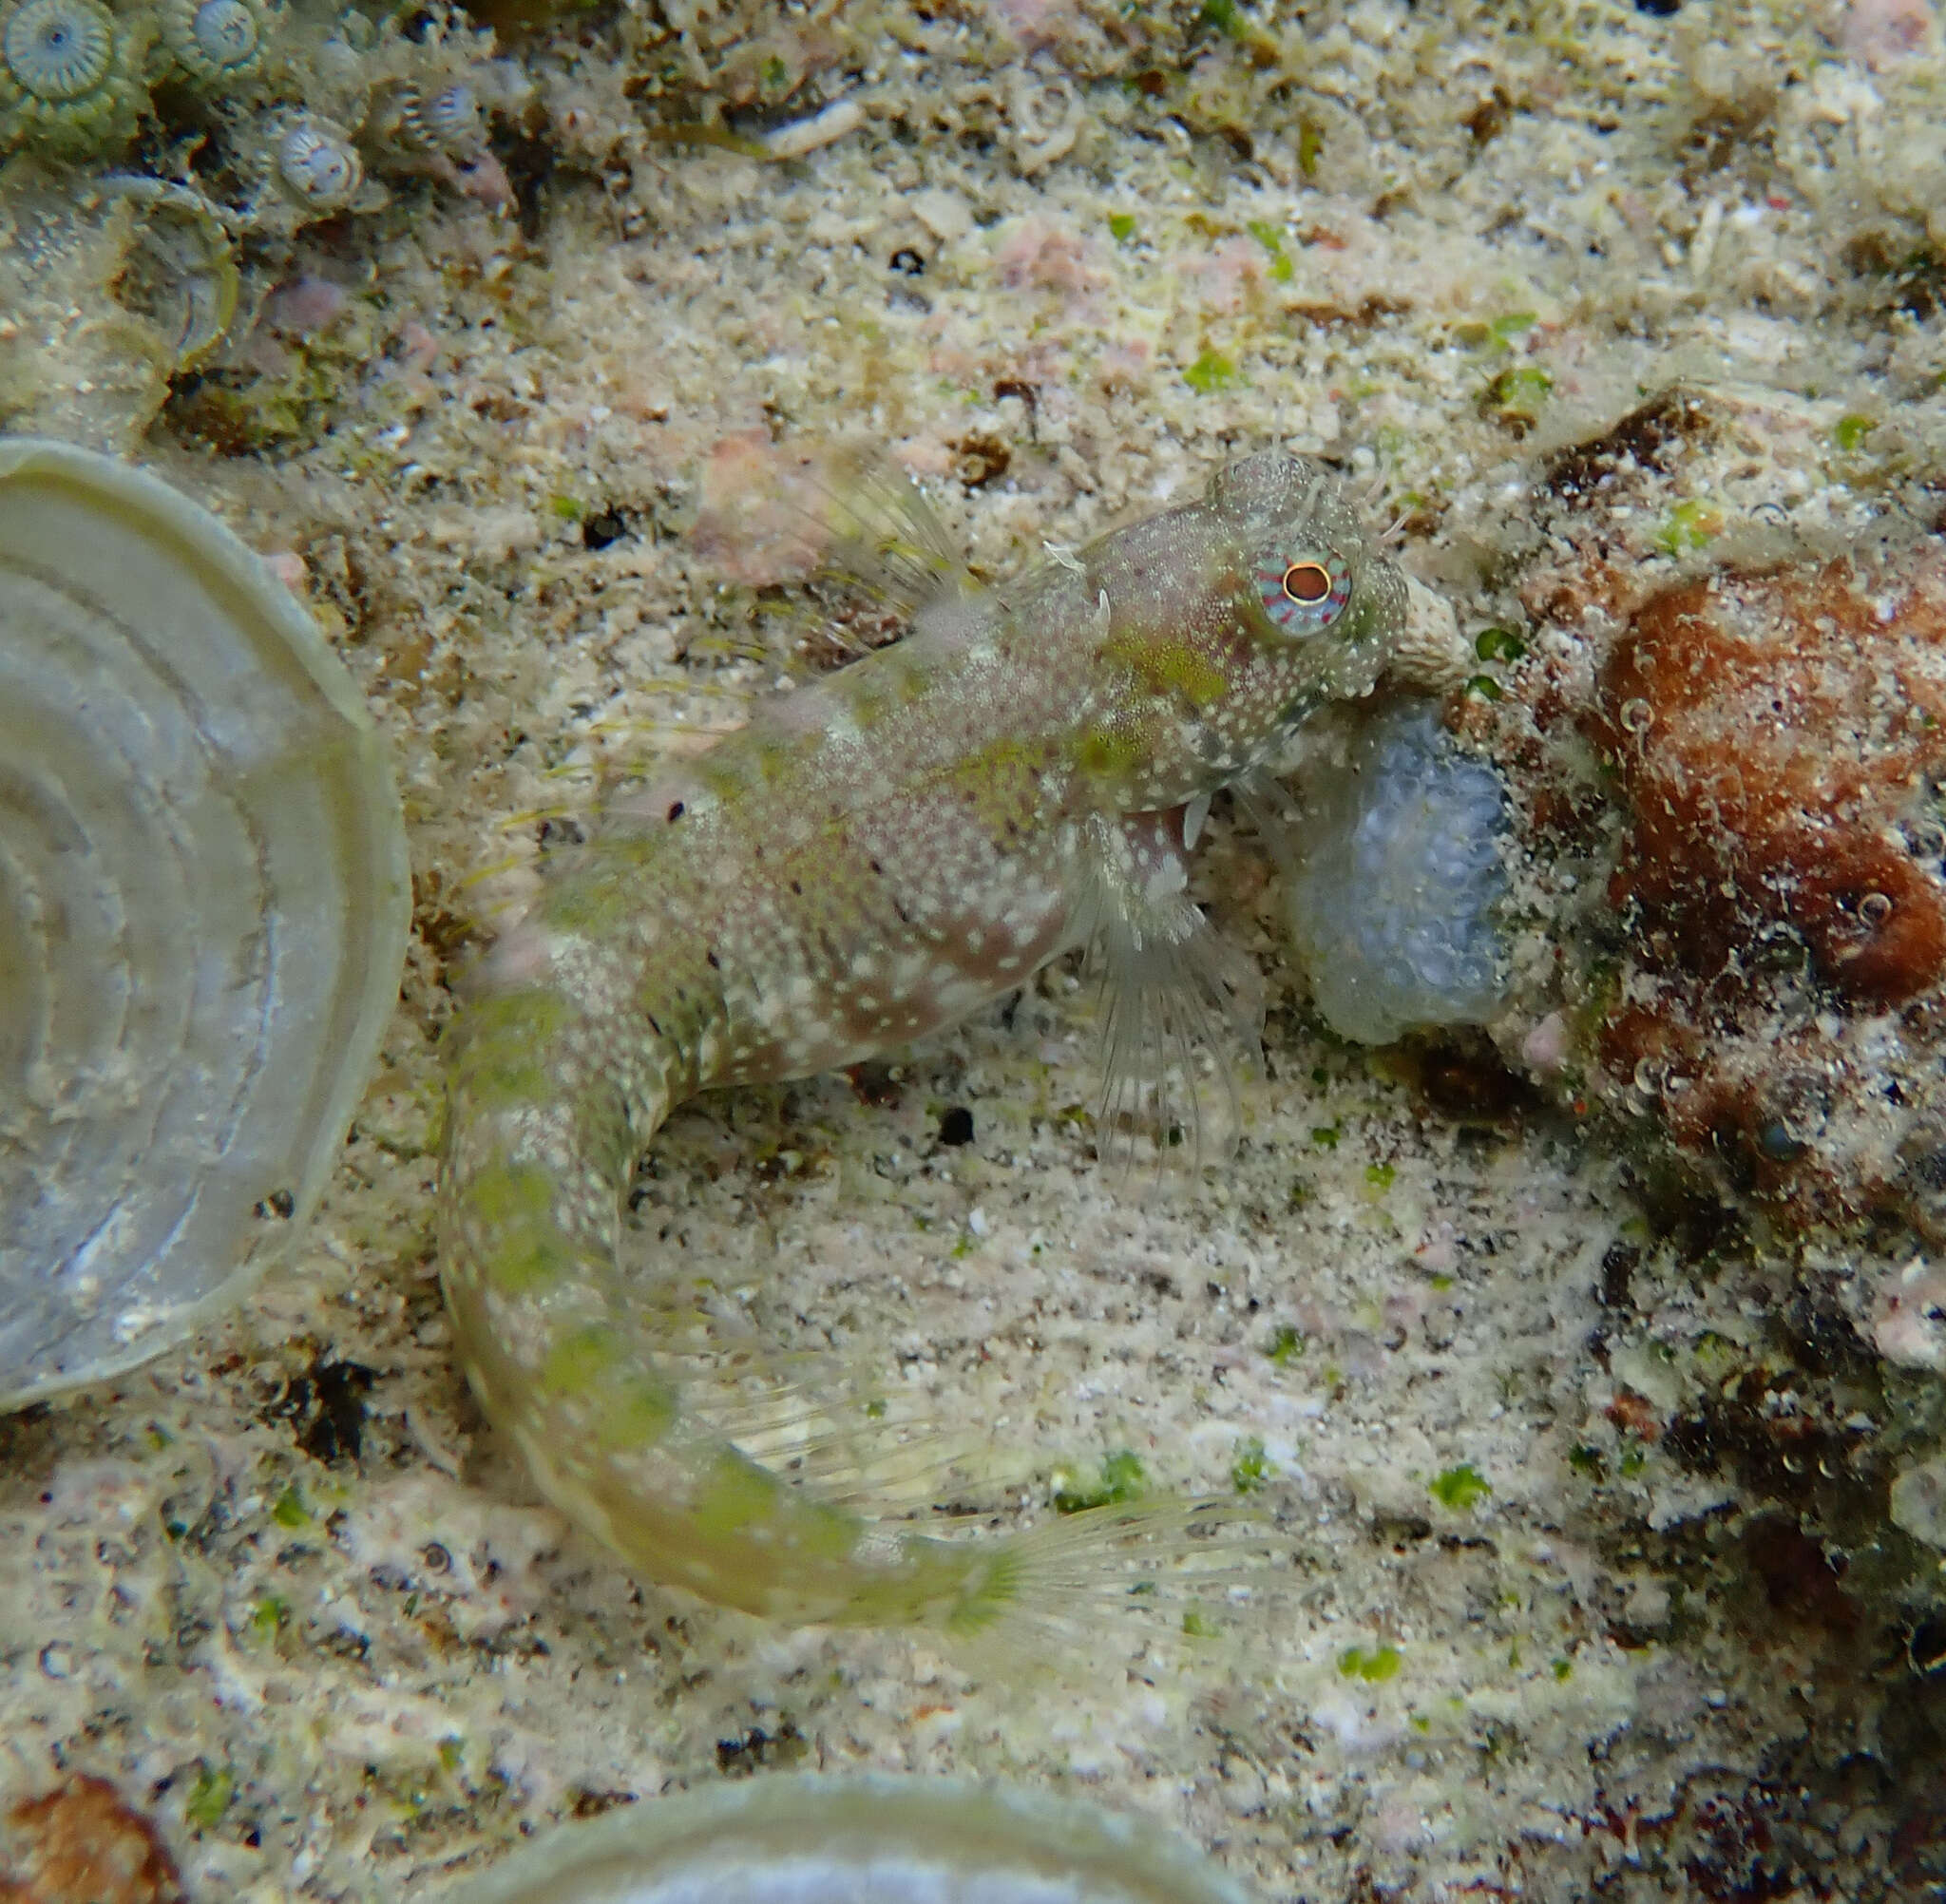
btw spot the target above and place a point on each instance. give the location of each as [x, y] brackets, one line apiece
[68, 76]
[857, 1841]
[203, 909]
[215, 40]
[1397, 882]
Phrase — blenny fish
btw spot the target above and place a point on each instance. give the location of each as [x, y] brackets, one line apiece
[872, 858]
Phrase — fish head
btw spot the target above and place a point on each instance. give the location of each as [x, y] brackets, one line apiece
[1314, 589]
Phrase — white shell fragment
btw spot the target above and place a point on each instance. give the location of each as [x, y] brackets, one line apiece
[203, 901]
[872, 1839]
[802, 137]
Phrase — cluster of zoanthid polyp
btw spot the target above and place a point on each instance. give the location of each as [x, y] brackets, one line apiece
[310, 112]
[1728, 754]
[71, 76]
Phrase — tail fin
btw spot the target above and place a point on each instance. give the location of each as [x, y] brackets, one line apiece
[711, 1485]
[1177, 1580]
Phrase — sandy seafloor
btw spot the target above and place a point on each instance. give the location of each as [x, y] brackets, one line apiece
[348, 1677]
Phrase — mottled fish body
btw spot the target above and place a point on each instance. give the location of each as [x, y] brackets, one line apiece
[872, 857]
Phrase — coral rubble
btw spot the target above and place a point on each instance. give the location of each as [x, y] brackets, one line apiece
[1746, 762]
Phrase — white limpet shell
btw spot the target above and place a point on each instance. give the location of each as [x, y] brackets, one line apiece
[856, 1840]
[203, 903]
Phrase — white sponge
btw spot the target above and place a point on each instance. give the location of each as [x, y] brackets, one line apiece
[1397, 882]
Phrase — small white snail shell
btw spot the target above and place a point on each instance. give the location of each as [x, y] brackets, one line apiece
[187, 283]
[319, 168]
[448, 121]
[204, 900]
[58, 50]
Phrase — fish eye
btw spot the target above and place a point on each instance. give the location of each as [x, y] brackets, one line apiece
[1303, 594]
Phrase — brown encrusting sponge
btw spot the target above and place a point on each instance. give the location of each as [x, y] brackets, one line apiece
[81, 1841]
[1730, 782]
[1775, 739]
[1773, 733]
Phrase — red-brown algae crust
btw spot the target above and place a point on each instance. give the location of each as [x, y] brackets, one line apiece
[1727, 774]
[1776, 742]
[1733, 981]
[80, 1843]
[1771, 732]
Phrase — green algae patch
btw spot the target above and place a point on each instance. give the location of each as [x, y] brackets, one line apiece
[1122, 1479]
[1460, 1488]
[1374, 1667]
[1310, 146]
[210, 1798]
[1209, 373]
[270, 1615]
[1689, 526]
[1281, 269]
[1252, 1470]
[1516, 395]
[1284, 1346]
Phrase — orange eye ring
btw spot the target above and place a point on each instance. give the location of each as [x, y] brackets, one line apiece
[1307, 582]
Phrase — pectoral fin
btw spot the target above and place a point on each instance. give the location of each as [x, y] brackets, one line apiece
[1180, 1006]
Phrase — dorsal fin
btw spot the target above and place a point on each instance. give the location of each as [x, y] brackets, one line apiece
[885, 537]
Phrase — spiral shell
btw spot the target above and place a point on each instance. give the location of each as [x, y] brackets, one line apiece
[857, 1841]
[67, 75]
[202, 915]
[215, 40]
[317, 167]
